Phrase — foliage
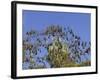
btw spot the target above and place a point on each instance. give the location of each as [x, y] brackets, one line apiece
[65, 49]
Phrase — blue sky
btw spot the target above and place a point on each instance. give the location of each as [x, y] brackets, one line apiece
[39, 20]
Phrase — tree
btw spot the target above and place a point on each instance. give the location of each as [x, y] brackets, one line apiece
[64, 47]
